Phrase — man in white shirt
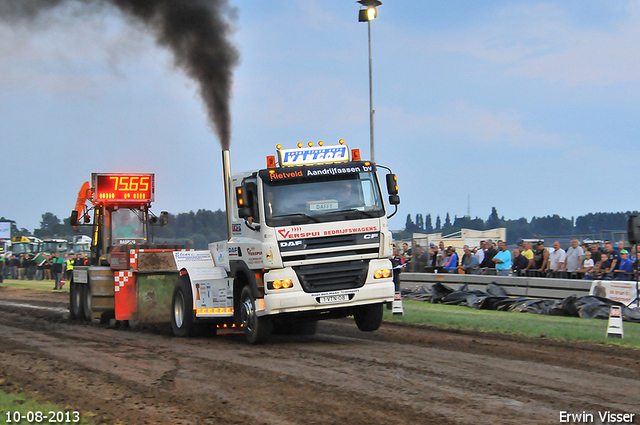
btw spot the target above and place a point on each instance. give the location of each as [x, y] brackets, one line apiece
[557, 260]
[441, 261]
[480, 252]
[575, 255]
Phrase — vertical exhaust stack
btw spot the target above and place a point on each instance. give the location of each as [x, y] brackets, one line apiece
[195, 32]
[226, 175]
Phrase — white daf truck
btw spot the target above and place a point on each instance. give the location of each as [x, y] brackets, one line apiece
[309, 240]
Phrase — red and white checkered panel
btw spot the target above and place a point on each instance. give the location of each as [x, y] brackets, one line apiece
[126, 299]
[121, 279]
[133, 258]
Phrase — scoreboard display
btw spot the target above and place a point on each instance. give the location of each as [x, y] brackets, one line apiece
[123, 188]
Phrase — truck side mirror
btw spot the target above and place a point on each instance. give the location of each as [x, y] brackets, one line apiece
[243, 203]
[164, 218]
[392, 185]
[73, 220]
[392, 189]
[244, 212]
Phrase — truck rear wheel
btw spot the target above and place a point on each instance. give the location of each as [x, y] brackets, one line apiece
[256, 329]
[369, 317]
[87, 302]
[75, 301]
[182, 309]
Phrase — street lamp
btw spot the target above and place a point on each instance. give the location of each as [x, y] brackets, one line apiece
[368, 14]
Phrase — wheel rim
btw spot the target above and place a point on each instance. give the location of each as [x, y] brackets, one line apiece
[248, 314]
[178, 310]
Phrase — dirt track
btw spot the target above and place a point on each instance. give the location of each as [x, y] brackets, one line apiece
[397, 375]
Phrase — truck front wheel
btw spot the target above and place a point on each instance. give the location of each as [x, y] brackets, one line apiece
[182, 308]
[369, 317]
[256, 329]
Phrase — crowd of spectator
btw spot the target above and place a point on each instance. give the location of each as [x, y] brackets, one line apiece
[586, 261]
[44, 267]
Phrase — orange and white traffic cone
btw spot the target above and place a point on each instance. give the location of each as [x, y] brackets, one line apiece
[62, 282]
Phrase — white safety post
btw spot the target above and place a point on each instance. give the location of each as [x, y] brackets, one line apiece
[615, 323]
[396, 307]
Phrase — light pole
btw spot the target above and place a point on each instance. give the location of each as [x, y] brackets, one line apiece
[368, 14]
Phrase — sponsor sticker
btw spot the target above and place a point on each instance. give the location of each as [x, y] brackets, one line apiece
[315, 155]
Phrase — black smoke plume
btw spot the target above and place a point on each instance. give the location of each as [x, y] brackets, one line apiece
[195, 31]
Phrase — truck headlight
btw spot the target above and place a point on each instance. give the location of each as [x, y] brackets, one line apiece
[280, 284]
[382, 274]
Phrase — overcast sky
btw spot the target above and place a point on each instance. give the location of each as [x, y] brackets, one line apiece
[531, 107]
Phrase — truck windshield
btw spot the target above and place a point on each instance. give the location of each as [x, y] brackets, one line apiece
[79, 247]
[126, 228]
[322, 198]
[25, 248]
[50, 247]
[20, 248]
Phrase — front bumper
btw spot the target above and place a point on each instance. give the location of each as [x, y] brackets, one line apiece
[295, 299]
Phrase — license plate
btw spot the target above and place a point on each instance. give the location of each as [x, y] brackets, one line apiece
[334, 299]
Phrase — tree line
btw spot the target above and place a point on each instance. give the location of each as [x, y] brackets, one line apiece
[589, 225]
[198, 229]
[193, 229]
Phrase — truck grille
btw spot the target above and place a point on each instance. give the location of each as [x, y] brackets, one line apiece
[331, 241]
[362, 245]
[333, 277]
[373, 253]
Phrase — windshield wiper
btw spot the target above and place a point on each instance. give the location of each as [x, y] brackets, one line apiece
[346, 210]
[296, 215]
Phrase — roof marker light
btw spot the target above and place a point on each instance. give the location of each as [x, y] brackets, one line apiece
[300, 144]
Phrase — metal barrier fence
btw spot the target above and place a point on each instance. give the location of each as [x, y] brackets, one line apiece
[534, 287]
[597, 275]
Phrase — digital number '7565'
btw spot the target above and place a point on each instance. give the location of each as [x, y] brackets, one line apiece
[131, 183]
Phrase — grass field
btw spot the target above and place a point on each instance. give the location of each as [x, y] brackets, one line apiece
[41, 285]
[523, 324]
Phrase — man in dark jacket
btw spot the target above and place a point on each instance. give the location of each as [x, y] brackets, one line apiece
[56, 264]
[520, 263]
[15, 265]
[489, 253]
